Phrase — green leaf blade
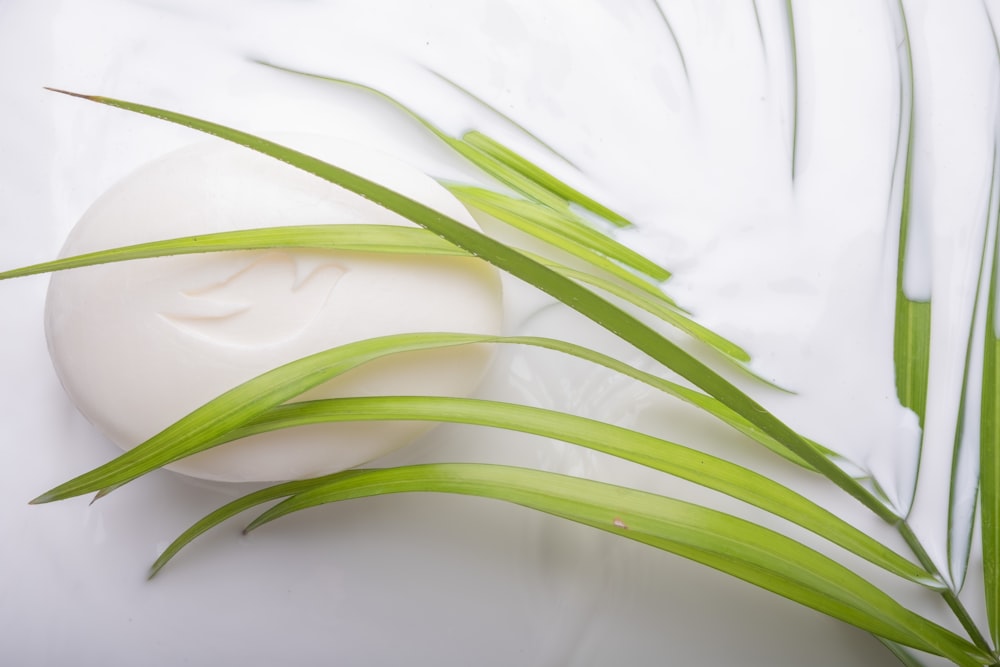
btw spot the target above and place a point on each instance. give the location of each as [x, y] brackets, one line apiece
[228, 511]
[584, 301]
[989, 443]
[212, 421]
[658, 454]
[348, 238]
[566, 225]
[731, 545]
[533, 172]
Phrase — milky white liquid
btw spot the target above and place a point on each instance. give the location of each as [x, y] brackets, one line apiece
[799, 272]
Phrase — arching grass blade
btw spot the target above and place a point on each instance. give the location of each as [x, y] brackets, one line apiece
[912, 326]
[354, 238]
[566, 225]
[534, 173]
[731, 545]
[604, 313]
[662, 455]
[989, 444]
[235, 407]
[527, 221]
[964, 481]
[230, 510]
[905, 657]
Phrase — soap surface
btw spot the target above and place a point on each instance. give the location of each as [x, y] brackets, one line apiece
[139, 344]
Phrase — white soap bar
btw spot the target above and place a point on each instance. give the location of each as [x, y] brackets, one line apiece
[140, 344]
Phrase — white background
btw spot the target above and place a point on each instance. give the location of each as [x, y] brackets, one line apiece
[800, 274]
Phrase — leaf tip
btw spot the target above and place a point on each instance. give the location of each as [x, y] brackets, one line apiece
[46, 497]
[70, 93]
[257, 523]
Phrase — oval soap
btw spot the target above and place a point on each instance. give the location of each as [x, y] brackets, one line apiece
[139, 344]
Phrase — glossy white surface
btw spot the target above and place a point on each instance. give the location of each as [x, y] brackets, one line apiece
[797, 274]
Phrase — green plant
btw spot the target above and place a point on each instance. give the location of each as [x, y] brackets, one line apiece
[615, 281]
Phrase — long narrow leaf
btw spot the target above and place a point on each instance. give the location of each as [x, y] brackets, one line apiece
[376, 238]
[912, 327]
[989, 424]
[235, 407]
[526, 221]
[989, 443]
[964, 481]
[533, 172]
[731, 545]
[905, 657]
[581, 299]
[486, 162]
[568, 226]
[232, 509]
[357, 238]
[671, 458]
[216, 421]
[665, 312]
[507, 175]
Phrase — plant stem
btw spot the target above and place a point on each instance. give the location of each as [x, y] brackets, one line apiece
[950, 595]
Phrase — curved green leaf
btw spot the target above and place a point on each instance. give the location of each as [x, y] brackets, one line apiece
[358, 238]
[734, 546]
[536, 174]
[989, 444]
[671, 458]
[527, 220]
[581, 299]
[566, 225]
[509, 176]
[492, 157]
[216, 419]
[235, 407]
[230, 510]
[964, 480]
[912, 328]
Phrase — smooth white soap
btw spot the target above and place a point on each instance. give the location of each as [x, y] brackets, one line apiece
[140, 344]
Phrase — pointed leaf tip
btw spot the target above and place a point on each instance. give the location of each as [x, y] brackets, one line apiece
[70, 93]
[46, 497]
